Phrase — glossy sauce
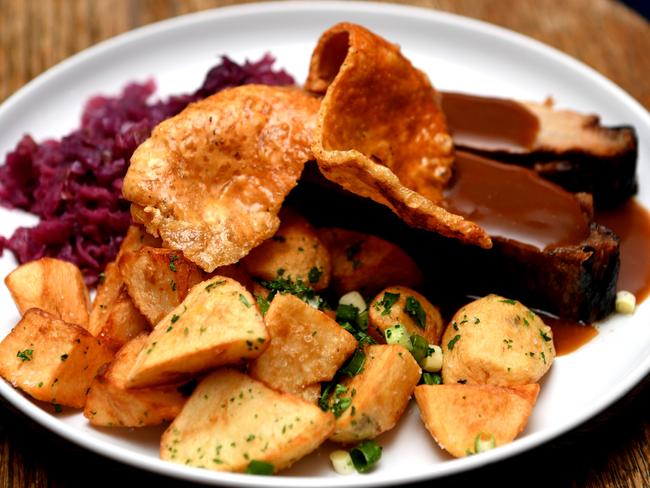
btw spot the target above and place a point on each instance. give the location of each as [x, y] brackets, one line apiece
[514, 203]
[632, 224]
[489, 123]
[568, 335]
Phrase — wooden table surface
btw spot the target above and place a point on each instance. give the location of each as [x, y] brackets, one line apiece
[612, 450]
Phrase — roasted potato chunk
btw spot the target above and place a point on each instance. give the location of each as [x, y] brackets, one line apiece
[306, 346]
[111, 404]
[378, 395]
[401, 305]
[459, 417]
[114, 318]
[367, 263]
[231, 420]
[496, 341]
[51, 360]
[135, 239]
[218, 323]
[158, 280]
[238, 273]
[296, 249]
[52, 285]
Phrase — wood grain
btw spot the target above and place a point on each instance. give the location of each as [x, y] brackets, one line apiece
[612, 450]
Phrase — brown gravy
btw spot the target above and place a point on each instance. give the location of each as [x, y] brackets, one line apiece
[631, 222]
[514, 203]
[489, 123]
[568, 335]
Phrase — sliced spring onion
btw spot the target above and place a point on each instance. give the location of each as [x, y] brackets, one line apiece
[431, 379]
[419, 347]
[342, 462]
[259, 467]
[625, 302]
[355, 365]
[355, 299]
[397, 334]
[365, 455]
[484, 442]
[433, 360]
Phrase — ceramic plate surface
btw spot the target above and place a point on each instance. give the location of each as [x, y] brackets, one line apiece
[458, 54]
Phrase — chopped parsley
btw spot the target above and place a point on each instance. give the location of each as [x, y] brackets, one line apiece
[172, 284]
[213, 284]
[172, 262]
[545, 336]
[262, 303]
[351, 254]
[297, 288]
[25, 355]
[414, 308]
[453, 341]
[508, 301]
[175, 318]
[243, 299]
[387, 302]
[314, 275]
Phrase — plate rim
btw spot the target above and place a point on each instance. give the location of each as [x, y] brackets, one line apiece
[142, 461]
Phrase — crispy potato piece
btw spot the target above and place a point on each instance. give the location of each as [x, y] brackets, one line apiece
[111, 404]
[52, 285]
[231, 419]
[123, 323]
[367, 263]
[381, 132]
[311, 393]
[211, 180]
[135, 239]
[238, 273]
[496, 341]
[218, 323]
[296, 249]
[158, 280]
[456, 414]
[379, 394]
[50, 359]
[306, 346]
[417, 314]
[114, 319]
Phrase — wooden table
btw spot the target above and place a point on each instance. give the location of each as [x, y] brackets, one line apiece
[612, 450]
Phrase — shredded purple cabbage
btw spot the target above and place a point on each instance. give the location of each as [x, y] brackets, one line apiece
[75, 184]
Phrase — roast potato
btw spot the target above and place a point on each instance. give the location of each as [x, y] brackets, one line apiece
[496, 341]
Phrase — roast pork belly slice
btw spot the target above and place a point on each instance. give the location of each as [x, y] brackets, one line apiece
[569, 148]
[575, 281]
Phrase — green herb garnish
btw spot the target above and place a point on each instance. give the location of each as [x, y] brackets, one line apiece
[262, 303]
[387, 302]
[453, 342]
[431, 378]
[25, 355]
[209, 287]
[314, 275]
[172, 262]
[243, 299]
[260, 468]
[365, 455]
[414, 309]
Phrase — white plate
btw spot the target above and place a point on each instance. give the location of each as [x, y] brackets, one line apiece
[458, 54]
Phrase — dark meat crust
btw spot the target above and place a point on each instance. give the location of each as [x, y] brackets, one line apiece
[575, 282]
